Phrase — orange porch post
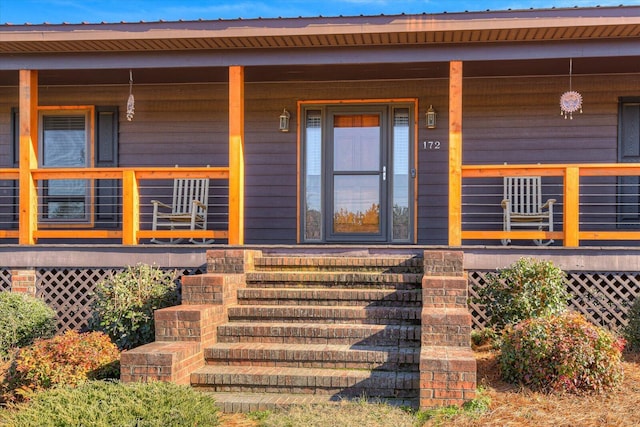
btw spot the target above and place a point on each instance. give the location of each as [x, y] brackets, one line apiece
[571, 212]
[130, 208]
[28, 210]
[455, 153]
[236, 155]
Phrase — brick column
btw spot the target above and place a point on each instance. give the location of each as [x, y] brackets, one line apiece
[447, 365]
[23, 281]
[231, 261]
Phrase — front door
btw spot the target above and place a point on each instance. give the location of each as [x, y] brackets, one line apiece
[358, 174]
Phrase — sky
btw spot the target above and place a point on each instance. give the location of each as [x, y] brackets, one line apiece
[96, 11]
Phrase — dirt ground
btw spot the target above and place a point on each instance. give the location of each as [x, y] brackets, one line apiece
[511, 406]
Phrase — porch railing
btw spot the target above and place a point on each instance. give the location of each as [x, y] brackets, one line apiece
[129, 193]
[595, 202]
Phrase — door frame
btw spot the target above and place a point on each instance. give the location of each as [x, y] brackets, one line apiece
[389, 104]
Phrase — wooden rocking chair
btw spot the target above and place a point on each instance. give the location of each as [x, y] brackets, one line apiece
[188, 209]
[522, 206]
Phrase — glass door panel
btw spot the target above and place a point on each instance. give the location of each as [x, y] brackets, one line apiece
[356, 178]
[356, 204]
[401, 179]
[313, 177]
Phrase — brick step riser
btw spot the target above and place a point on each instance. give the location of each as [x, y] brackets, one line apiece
[373, 341]
[314, 364]
[344, 279]
[297, 319]
[337, 392]
[403, 336]
[330, 303]
[371, 271]
[250, 402]
[331, 298]
[342, 269]
[276, 380]
[401, 286]
[319, 314]
[400, 264]
[393, 360]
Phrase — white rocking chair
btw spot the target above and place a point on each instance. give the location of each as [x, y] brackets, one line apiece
[188, 209]
[522, 206]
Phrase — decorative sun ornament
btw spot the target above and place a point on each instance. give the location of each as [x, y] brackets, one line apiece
[570, 102]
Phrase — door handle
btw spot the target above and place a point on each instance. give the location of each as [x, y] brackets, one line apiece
[384, 173]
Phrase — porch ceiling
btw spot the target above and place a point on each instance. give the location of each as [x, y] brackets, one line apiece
[339, 32]
[344, 72]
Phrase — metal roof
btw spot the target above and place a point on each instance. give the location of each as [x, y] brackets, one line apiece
[577, 24]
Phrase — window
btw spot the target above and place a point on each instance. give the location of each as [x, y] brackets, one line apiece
[65, 143]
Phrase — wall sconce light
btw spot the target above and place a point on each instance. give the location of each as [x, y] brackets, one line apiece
[284, 121]
[431, 118]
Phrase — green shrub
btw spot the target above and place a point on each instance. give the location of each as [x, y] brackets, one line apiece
[23, 320]
[528, 288]
[67, 359]
[561, 353]
[124, 304]
[631, 332]
[107, 404]
[484, 337]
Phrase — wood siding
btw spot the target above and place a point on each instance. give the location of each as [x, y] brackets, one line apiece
[514, 120]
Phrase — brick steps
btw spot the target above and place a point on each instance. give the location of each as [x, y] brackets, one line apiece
[329, 333]
[323, 314]
[251, 402]
[263, 332]
[319, 329]
[324, 296]
[335, 382]
[314, 356]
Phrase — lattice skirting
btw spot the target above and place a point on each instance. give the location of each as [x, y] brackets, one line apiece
[69, 291]
[5, 280]
[602, 297]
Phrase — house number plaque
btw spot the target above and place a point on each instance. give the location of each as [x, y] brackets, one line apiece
[431, 145]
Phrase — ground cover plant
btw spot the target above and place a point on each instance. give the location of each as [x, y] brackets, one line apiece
[24, 319]
[124, 304]
[108, 404]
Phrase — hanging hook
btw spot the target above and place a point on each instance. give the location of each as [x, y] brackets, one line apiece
[570, 73]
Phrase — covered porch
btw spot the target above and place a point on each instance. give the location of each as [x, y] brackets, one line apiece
[591, 197]
[208, 100]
